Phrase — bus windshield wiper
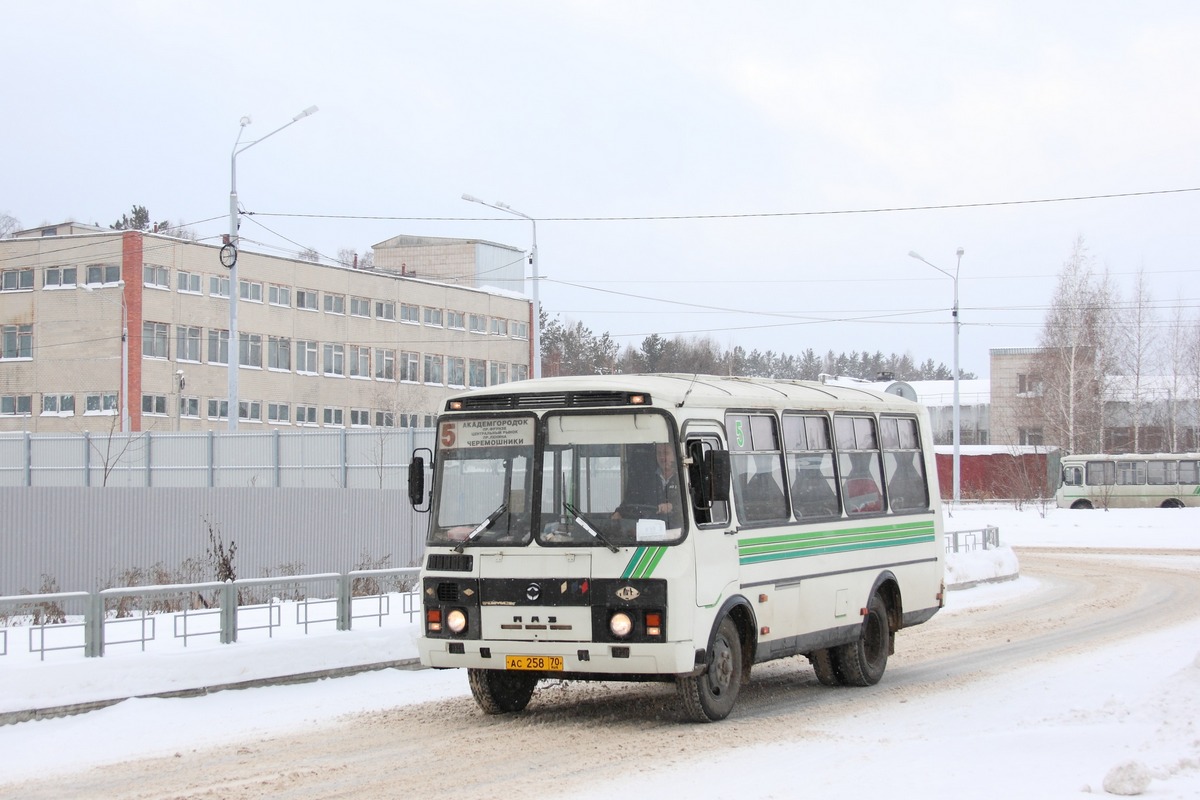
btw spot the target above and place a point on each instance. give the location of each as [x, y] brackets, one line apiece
[483, 526]
[587, 527]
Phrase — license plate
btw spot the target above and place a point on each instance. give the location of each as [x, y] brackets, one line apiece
[536, 663]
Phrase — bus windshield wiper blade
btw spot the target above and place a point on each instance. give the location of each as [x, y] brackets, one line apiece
[483, 526]
[587, 527]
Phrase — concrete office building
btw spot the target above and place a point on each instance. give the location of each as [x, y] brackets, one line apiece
[95, 321]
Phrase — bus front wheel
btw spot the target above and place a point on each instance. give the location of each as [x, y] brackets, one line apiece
[709, 696]
[500, 692]
[862, 662]
[1173, 502]
[1081, 504]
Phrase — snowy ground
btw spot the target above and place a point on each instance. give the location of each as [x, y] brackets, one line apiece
[1053, 732]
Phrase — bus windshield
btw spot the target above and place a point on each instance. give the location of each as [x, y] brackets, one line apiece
[604, 480]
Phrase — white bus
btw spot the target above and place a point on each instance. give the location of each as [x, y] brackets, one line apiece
[674, 528]
[1138, 480]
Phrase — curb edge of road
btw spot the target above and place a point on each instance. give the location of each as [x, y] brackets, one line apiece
[51, 712]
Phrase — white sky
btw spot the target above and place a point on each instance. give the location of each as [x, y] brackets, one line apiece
[633, 109]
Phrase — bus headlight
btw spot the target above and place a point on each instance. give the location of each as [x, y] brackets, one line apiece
[456, 620]
[620, 624]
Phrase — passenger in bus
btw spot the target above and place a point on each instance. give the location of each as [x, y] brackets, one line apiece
[654, 496]
[763, 495]
[813, 495]
[862, 492]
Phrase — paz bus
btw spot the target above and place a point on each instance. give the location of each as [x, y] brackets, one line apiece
[1139, 480]
[673, 528]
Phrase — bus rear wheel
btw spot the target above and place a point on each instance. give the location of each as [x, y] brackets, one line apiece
[822, 664]
[1081, 504]
[709, 696]
[862, 662]
[1172, 502]
[500, 692]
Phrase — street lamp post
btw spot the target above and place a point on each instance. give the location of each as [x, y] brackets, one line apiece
[957, 325]
[533, 260]
[124, 352]
[230, 261]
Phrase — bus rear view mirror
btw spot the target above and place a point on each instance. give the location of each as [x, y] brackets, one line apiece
[416, 479]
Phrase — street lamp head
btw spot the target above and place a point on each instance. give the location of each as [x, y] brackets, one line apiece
[915, 254]
[960, 252]
[245, 121]
[308, 112]
[502, 204]
[470, 198]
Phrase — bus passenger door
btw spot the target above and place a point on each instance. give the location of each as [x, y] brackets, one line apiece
[713, 542]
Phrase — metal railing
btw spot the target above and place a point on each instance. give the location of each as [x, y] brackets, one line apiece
[987, 538]
[211, 608]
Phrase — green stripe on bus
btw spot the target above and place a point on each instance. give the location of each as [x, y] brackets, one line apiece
[643, 561]
[812, 543]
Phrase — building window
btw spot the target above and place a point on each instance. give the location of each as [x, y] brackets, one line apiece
[478, 374]
[218, 409]
[18, 405]
[360, 306]
[218, 346]
[154, 339]
[385, 309]
[187, 343]
[499, 373]
[360, 361]
[385, 419]
[250, 290]
[335, 359]
[189, 407]
[519, 330]
[100, 403]
[333, 416]
[410, 367]
[1029, 386]
[433, 317]
[16, 280]
[187, 282]
[218, 286]
[62, 405]
[456, 320]
[250, 410]
[1031, 437]
[478, 323]
[154, 405]
[306, 415]
[279, 413]
[335, 304]
[410, 313]
[360, 418]
[156, 277]
[279, 353]
[250, 349]
[456, 371]
[433, 369]
[60, 276]
[499, 327]
[306, 299]
[17, 341]
[520, 372]
[385, 364]
[103, 274]
[279, 295]
[306, 358]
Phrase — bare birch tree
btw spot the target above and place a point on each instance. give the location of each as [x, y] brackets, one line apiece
[1136, 357]
[1077, 354]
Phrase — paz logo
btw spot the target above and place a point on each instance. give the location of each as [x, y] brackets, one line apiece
[627, 593]
[533, 591]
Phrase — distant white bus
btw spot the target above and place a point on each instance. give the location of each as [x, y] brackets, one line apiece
[1138, 480]
[674, 528]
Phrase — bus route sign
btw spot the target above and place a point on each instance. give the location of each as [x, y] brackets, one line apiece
[506, 432]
